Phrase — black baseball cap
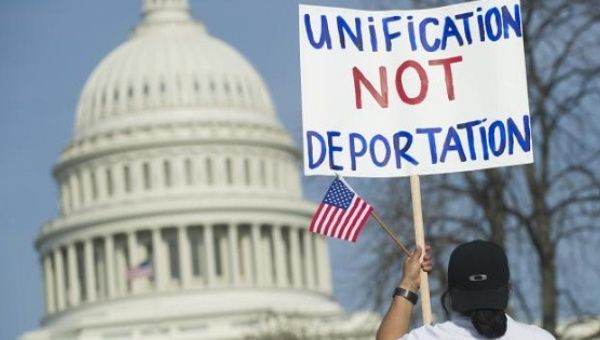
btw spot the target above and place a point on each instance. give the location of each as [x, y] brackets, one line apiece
[478, 277]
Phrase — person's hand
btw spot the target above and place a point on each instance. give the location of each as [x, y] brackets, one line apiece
[411, 277]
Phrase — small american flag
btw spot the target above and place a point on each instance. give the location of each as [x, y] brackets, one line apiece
[342, 214]
[144, 269]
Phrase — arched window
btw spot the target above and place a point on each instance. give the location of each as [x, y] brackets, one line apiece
[167, 174]
[127, 178]
[247, 175]
[147, 176]
[109, 183]
[229, 171]
[209, 171]
[94, 185]
[189, 171]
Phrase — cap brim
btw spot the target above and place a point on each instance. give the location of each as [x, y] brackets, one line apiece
[467, 300]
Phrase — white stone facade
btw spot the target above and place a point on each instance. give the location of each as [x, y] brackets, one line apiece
[178, 158]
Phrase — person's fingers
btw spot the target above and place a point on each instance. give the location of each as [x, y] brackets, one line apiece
[416, 254]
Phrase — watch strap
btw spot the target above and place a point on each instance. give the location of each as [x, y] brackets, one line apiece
[407, 294]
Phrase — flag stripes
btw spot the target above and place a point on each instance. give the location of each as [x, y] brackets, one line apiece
[342, 214]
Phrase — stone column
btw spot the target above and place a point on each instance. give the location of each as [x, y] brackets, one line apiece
[90, 273]
[210, 255]
[280, 267]
[102, 186]
[185, 256]
[136, 172]
[257, 261]
[109, 252]
[59, 275]
[309, 260]
[219, 170]
[246, 259]
[295, 257]
[118, 179]
[157, 178]
[157, 263]
[65, 196]
[74, 294]
[86, 183]
[49, 284]
[323, 265]
[177, 172]
[133, 260]
[234, 255]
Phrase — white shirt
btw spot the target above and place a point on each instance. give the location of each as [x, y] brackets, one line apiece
[461, 328]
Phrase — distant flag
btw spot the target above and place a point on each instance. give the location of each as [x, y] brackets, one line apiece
[342, 214]
[143, 269]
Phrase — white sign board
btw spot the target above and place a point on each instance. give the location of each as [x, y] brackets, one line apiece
[410, 92]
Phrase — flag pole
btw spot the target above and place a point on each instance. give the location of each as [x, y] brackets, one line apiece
[415, 190]
[390, 233]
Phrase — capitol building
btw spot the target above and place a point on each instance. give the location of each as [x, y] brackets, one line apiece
[181, 209]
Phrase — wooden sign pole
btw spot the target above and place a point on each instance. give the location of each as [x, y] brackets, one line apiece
[390, 233]
[415, 190]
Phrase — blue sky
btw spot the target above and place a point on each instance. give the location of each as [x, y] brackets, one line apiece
[48, 50]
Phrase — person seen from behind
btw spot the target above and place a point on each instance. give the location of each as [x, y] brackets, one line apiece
[477, 296]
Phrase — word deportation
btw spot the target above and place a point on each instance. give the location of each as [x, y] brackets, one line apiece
[472, 140]
[424, 34]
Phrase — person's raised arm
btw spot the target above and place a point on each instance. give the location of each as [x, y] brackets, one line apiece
[397, 319]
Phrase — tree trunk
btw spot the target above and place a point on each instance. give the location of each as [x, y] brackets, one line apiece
[548, 292]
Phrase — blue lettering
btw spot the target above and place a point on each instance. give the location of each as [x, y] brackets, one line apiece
[466, 27]
[450, 30]
[332, 149]
[386, 153]
[355, 37]
[524, 139]
[430, 132]
[494, 36]
[513, 22]
[423, 34]
[468, 126]
[372, 34]
[402, 151]
[309, 144]
[452, 143]
[484, 143]
[497, 147]
[386, 31]
[354, 152]
[325, 38]
[411, 33]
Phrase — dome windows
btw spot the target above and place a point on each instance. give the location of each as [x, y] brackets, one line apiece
[147, 176]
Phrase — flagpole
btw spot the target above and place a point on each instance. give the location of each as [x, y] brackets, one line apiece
[390, 233]
[415, 190]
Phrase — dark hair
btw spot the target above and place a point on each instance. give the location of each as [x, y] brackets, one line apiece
[491, 323]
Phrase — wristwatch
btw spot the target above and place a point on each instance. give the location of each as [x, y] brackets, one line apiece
[407, 294]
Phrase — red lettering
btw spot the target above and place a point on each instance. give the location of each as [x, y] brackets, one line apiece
[447, 64]
[422, 77]
[380, 97]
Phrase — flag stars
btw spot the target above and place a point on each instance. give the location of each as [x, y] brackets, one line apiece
[339, 195]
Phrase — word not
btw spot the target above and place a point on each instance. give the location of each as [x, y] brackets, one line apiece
[382, 97]
[428, 34]
[472, 140]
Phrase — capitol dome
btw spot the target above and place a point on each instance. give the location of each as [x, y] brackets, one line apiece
[181, 213]
[171, 62]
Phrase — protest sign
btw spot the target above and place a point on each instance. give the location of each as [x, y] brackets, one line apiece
[411, 92]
